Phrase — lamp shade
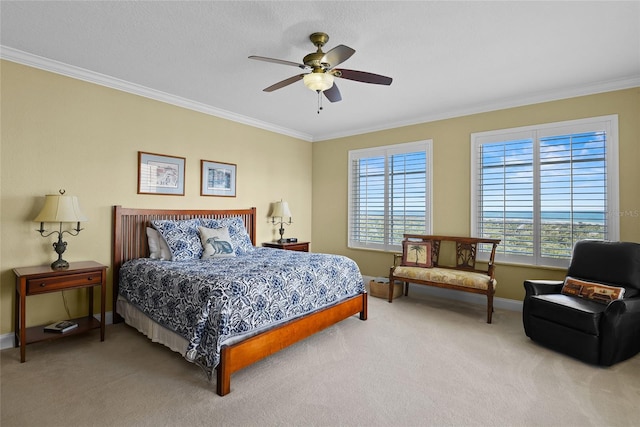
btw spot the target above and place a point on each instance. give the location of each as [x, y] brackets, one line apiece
[60, 208]
[281, 210]
[318, 81]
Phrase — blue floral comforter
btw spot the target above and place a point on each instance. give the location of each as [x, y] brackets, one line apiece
[210, 301]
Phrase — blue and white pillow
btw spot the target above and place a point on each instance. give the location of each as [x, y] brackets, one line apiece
[237, 231]
[216, 243]
[182, 237]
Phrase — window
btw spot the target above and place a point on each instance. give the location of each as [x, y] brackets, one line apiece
[389, 194]
[542, 188]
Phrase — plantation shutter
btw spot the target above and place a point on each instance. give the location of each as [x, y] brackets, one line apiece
[368, 201]
[388, 192]
[407, 195]
[541, 189]
[573, 191]
[506, 195]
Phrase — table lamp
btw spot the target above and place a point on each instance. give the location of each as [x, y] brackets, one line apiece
[62, 209]
[281, 210]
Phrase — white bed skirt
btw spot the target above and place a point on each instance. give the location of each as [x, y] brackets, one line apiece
[158, 333]
[154, 331]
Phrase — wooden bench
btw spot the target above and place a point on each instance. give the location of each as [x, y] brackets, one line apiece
[459, 274]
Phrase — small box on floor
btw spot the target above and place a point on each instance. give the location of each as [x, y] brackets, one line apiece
[379, 287]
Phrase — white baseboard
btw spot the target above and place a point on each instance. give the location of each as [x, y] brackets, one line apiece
[426, 291]
[6, 340]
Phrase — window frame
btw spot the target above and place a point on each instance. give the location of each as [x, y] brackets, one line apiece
[387, 151]
[607, 123]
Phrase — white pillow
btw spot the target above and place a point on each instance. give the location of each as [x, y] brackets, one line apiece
[158, 248]
[216, 243]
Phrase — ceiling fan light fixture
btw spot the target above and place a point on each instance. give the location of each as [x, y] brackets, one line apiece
[318, 81]
[320, 70]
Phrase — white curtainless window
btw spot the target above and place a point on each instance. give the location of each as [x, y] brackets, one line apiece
[542, 188]
[389, 194]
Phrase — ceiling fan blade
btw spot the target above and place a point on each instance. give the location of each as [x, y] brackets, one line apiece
[278, 61]
[337, 55]
[333, 94]
[362, 76]
[285, 82]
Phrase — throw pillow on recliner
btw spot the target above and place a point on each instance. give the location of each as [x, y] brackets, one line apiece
[592, 291]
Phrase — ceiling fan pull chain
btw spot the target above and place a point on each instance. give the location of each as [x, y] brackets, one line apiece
[319, 101]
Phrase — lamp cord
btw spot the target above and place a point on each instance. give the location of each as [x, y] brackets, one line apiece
[66, 306]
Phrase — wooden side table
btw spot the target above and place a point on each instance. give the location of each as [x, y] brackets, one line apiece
[297, 246]
[42, 279]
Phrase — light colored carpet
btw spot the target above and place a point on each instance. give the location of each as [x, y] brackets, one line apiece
[414, 362]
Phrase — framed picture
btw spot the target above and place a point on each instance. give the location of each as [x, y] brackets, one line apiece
[416, 254]
[218, 179]
[160, 174]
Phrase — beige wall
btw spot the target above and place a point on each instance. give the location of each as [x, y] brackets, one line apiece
[451, 176]
[59, 132]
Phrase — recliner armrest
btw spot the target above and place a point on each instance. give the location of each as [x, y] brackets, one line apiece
[536, 287]
[542, 287]
[620, 330]
[621, 306]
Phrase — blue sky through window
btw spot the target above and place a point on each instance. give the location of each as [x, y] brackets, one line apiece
[572, 177]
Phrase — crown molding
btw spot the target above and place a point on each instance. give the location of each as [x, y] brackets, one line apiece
[35, 61]
[501, 104]
[18, 56]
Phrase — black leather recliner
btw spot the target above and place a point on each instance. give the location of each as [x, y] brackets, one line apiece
[597, 333]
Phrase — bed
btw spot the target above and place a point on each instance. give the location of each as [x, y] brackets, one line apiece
[223, 348]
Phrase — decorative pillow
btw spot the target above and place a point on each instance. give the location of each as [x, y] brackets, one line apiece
[592, 291]
[181, 237]
[216, 242]
[239, 237]
[416, 254]
[158, 248]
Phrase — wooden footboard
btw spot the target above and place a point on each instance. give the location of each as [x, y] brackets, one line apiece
[130, 241]
[237, 356]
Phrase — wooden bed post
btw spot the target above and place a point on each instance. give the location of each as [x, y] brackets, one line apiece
[116, 260]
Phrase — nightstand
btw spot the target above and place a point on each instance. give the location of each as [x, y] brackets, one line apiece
[297, 246]
[42, 279]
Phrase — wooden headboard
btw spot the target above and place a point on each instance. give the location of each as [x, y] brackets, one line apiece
[130, 235]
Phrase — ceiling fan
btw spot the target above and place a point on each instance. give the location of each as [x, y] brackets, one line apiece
[322, 69]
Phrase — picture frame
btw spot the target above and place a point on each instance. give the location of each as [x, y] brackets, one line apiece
[160, 174]
[417, 254]
[217, 179]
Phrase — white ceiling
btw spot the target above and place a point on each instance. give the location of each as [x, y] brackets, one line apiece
[446, 58]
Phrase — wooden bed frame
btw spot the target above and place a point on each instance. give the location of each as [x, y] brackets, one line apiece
[130, 241]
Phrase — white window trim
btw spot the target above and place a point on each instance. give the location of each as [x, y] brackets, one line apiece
[610, 123]
[387, 150]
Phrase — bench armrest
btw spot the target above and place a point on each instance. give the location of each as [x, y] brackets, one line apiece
[397, 259]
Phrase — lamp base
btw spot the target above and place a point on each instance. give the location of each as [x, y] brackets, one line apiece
[59, 264]
[60, 247]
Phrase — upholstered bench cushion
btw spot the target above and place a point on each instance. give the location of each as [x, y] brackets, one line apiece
[467, 279]
[576, 313]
